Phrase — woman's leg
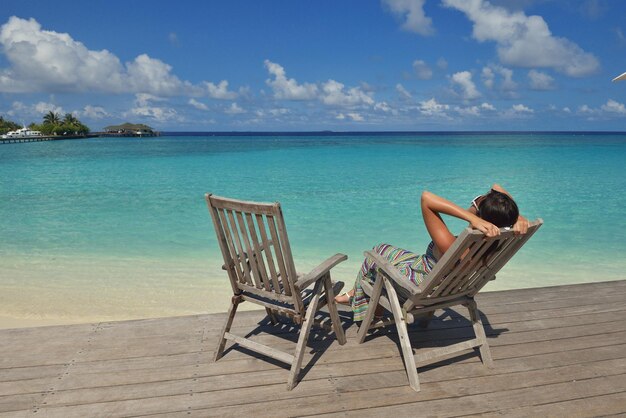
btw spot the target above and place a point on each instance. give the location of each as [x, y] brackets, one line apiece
[360, 300]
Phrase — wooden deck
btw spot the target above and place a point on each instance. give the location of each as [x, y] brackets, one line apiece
[558, 351]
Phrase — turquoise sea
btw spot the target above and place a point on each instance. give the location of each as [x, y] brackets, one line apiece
[109, 228]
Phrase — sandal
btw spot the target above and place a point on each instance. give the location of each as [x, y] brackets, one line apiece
[344, 299]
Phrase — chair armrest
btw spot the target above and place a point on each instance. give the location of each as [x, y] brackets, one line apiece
[392, 272]
[319, 271]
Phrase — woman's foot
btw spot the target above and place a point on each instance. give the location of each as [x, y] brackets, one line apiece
[345, 298]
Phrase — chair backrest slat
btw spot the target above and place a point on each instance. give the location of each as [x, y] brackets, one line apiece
[258, 253]
[471, 262]
[239, 255]
[267, 249]
[286, 246]
[476, 247]
[253, 265]
[231, 266]
[254, 258]
[279, 256]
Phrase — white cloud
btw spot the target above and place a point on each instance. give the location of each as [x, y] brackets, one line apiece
[475, 110]
[382, 106]
[540, 80]
[524, 41]
[144, 107]
[412, 12]
[37, 110]
[610, 109]
[490, 73]
[219, 91]
[43, 107]
[442, 63]
[144, 99]
[279, 111]
[520, 108]
[507, 79]
[48, 61]
[160, 114]
[234, 109]
[468, 111]
[403, 92]
[40, 58]
[488, 77]
[333, 93]
[466, 87]
[433, 108]
[151, 75]
[422, 70]
[356, 117]
[93, 112]
[288, 88]
[198, 105]
[612, 106]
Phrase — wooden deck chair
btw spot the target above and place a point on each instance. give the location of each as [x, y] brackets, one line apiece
[471, 262]
[257, 257]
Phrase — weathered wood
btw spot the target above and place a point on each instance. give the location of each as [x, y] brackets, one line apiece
[258, 282]
[549, 362]
[403, 335]
[471, 261]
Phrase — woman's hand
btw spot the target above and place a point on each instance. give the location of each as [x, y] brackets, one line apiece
[521, 226]
[485, 227]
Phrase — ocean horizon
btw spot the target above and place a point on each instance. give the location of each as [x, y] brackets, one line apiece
[117, 228]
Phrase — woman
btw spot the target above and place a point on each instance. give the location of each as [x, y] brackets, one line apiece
[488, 213]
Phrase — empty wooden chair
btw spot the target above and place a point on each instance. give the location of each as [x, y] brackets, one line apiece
[257, 257]
[471, 262]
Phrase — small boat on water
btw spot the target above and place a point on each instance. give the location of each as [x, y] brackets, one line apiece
[22, 133]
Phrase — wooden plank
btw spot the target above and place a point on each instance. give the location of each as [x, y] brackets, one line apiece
[262, 349]
[202, 384]
[564, 353]
[613, 404]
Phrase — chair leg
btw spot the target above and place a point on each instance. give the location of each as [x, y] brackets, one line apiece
[232, 309]
[479, 330]
[332, 310]
[371, 310]
[403, 334]
[304, 336]
[272, 315]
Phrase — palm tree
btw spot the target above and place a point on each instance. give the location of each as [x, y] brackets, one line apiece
[51, 118]
[70, 120]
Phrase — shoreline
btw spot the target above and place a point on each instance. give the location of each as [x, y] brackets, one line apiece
[8, 321]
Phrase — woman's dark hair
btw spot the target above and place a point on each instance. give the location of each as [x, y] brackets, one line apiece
[499, 209]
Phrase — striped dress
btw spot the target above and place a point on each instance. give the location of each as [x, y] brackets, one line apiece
[413, 266]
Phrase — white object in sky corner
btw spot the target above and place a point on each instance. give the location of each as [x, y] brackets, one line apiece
[620, 77]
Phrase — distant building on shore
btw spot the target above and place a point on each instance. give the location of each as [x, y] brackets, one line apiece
[130, 129]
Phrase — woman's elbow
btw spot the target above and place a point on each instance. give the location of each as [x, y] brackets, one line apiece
[426, 198]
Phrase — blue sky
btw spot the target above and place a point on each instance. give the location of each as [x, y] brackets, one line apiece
[317, 65]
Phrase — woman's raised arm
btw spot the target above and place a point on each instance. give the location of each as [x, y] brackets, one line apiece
[521, 225]
[432, 208]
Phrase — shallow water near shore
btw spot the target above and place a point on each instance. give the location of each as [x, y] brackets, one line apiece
[106, 229]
